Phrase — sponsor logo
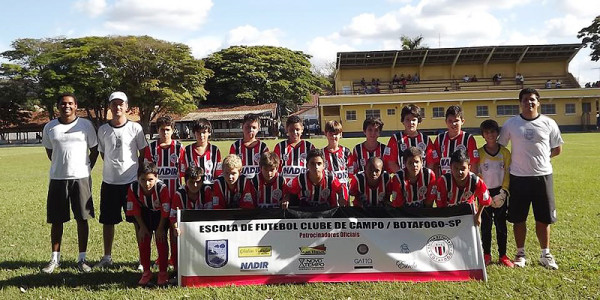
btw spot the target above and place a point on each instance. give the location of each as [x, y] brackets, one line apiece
[255, 251]
[404, 248]
[216, 253]
[363, 263]
[440, 248]
[254, 266]
[405, 265]
[313, 250]
[311, 264]
[362, 249]
[164, 172]
[291, 171]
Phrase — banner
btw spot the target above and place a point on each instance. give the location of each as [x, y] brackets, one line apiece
[384, 245]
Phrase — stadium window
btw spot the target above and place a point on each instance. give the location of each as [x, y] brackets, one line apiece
[422, 113]
[438, 112]
[373, 113]
[507, 110]
[350, 115]
[482, 111]
[548, 109]
[391, 111]
[570, 108]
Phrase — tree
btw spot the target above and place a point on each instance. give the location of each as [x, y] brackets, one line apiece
[326, 74]
[412, 44]
[12, 104]
[261, 74]
[590, 36]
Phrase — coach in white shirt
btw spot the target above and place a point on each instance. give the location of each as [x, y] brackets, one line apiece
[535, 139]
[67, 140]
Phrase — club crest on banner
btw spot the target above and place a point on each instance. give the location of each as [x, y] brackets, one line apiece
[440, 248]
[216, 253]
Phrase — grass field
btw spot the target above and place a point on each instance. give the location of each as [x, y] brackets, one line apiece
[25, 245]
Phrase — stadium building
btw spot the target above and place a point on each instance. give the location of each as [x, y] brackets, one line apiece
[380, 83]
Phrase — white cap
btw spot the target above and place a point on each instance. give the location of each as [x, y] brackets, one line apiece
[117, 95]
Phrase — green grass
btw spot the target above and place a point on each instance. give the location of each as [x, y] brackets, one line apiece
[25, 246]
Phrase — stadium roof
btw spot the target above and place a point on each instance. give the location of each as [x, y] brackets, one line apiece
[463, 55]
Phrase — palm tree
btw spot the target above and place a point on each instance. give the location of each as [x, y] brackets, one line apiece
[412, 44]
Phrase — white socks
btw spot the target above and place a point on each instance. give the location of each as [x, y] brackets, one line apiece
[545, 251]
[55, 256]
[81, 256]
[521, 251]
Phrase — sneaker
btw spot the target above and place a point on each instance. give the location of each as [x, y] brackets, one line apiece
[163, 278]
[82, 266]
[146, 277]
[140, 268]
[173, 281]
[506, 261]
[104, 263]
[50, 267]
[520, 261]
[487, 258]
[548, 262]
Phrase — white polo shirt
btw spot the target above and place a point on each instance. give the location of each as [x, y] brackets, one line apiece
[69, 144]
[532, 141]
[120, 146]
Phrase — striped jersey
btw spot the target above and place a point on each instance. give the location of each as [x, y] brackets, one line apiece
[367, 196]
[443, 147]
[182, 200]
[413, 194]
[493, 167]
[221, 196]
[258, 193]
[167, 160]
[250, 156]
[400, 142]
[292, 158]
[360, 155]
[336, 162]
[325, 193]
[210, 161]
[158, 200]
[447, 192]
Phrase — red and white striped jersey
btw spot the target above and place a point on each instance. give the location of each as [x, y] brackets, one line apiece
[167, 160]
[258, 193]
[158, 200]
[337, 163]
[250, 156]
[328, 192]
[400, 142]
[221, 196]
[210, 161]
[447, 192]
[413, 195]
[443, 147]
[182, 200]
[293, 159]
[367, 196]
[360, 155]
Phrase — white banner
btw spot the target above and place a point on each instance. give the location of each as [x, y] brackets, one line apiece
[329, 250]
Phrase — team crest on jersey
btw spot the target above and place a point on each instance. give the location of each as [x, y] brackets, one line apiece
[276, 194]
[303, 157]
[462, 148]
[208, 164]
[286, 157]
[256, 158]
[216, 253]
[422, 146]
[450, 195]
[380, 197]
[402, 147]
[173, 158]
[156, 203]
[434, 154]
[386, 151]
[247, 197]
[485, 166]
[475, 153]
[529, 134]
[166, 207]
[215, 200]
[434, 191]
[467, 195]
[362, 161]
[422, 192]
[155, 158]
[325, 193]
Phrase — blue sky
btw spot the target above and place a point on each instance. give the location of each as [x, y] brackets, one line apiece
[320, 28]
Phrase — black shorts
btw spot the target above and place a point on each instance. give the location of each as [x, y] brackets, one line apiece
[113, 201]
[537, 191]
[76, 193]
[151, 219]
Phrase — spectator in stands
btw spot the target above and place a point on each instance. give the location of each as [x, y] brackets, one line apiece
[409, 78]
[396, 80]
[466, 78]
[495, 78]
[363, 83]
[597, 120]
[474, 78]
[548, 84]
[558, 84]
[446, 89]
[377, 90]
[402, 77]
[588, 85]
[499, 79]
[403, 83]
[416, 78]
[519, 80]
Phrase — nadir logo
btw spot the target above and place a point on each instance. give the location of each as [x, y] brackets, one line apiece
[216, 253]
[440, 248]
[254, 266]
[314, 250]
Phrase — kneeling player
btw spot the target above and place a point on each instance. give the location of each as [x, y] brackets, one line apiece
[461, 186]
[148, 202]
[226, 190]
[372, 187]
[413, 184]
[315, 187]
[265, 190]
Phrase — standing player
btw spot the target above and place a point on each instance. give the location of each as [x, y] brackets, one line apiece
[372, 128]
[316, 187]
[414, 183]
[461, 186]
[453, 139]
[535, 140]
[293, 151]
[67, 140]
[226, 190]
[249, 148]
[120, 141]
[410, 137]
[372, 187]
[166, 153]
[336, 156]
[265, 190]
[202, 153]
